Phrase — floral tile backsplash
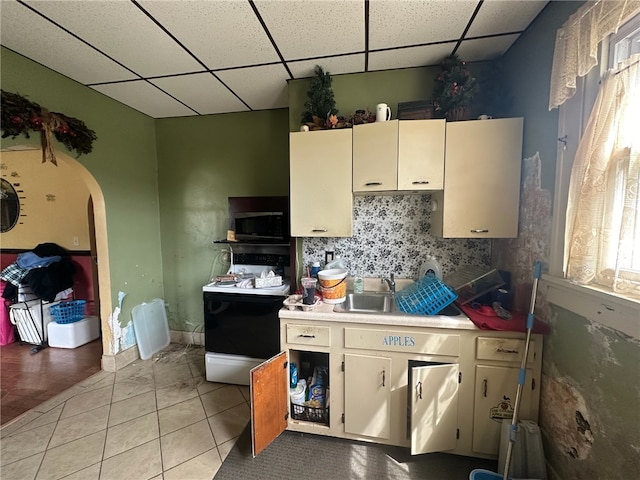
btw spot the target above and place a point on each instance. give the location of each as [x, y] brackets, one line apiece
[391, 235]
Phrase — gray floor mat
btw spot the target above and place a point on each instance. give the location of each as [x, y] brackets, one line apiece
[313, 457]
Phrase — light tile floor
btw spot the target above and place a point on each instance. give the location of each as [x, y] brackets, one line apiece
[155, 419]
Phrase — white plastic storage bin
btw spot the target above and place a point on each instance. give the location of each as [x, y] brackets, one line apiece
[527, 457]
[30, 317]
[72, 335]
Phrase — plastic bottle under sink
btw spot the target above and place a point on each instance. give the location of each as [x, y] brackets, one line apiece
[431, 267]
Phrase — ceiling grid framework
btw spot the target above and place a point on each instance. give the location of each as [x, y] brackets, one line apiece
[178, 58]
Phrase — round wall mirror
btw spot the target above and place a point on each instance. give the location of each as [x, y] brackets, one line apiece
[9, 206]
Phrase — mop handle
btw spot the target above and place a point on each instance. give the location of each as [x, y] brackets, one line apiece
[537, 272]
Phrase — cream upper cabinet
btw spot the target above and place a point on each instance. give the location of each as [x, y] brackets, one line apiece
[375, 157]
[320, 175]
[481, 194]
[421, 154]
[398, 155]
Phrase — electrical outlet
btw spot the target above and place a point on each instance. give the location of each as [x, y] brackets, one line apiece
[76, 242]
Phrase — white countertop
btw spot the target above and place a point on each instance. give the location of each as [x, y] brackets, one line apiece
[324, 312]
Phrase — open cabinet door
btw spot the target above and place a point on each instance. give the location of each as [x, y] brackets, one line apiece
[434, 408]
[269, 401]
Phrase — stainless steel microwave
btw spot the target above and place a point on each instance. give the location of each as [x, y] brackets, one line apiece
[265, 226]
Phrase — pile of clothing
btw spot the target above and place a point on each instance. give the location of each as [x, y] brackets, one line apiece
[47, 271]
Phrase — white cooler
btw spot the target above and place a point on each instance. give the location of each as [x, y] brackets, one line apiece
[72, 335]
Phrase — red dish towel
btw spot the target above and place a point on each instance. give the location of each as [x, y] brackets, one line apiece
[485, 318]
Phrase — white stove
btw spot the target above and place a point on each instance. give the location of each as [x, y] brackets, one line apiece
[241, 322]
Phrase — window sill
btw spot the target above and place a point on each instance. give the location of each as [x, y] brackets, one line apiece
[596, 304]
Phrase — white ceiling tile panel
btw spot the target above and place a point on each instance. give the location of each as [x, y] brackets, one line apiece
[485, 48]
[54, 48]
[311, 28]
[410, 57]
[122, 31]
[494, 17]
[261, 88]
[202, 92]
[397, 23]
[145, 98]
[333, 65]
[221, 34]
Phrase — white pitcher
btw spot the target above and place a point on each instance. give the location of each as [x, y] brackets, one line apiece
[383, 112]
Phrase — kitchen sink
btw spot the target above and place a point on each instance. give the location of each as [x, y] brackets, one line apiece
[382, 302]
[367, 303]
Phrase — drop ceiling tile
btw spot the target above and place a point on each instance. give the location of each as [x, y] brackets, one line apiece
[54, 48]
[304, 29]
[269, 92]
[202, 92]
[123, 32]
[145, 98]
[221, 34]
[495, 16]
[410, 57]
[396, 23]
[485, 48]
[333, 65]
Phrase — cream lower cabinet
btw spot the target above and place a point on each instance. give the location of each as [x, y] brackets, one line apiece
[367, 377]
[320, 171]
[481, 195]
[427, 389]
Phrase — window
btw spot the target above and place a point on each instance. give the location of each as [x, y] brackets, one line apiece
[593, 239]
[603, 207]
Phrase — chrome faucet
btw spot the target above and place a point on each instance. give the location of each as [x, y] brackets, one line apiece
[391, 282]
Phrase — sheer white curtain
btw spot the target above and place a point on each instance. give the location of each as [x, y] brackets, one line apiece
[576, 49]
[603, 214]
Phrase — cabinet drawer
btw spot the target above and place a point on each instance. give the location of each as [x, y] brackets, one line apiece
[402, 341]
[503, 349]
[309, 335]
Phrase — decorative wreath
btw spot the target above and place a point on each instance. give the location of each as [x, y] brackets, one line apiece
[19, 116]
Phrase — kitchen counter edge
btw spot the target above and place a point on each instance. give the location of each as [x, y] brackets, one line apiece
[324, 312]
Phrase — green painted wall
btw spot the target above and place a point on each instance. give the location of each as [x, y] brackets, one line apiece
[123, 162]
[366, 90]
[201, 162]
[590, 415]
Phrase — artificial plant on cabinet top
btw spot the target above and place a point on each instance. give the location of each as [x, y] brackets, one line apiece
[454, 88]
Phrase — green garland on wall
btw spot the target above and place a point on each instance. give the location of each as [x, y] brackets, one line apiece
[19, 116]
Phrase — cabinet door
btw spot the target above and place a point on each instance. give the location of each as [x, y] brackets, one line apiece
[269, 389]
[375, 157]
[495, 396]
[481, 195]
[421, 154]
[367, 395]
[434, 408]
[320, 175]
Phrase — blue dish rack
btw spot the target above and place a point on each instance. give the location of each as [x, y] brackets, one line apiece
[426, 296]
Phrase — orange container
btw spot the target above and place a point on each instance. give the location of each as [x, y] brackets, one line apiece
[333, 285]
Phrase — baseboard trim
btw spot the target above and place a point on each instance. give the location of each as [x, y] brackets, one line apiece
[186, 338]
[113, 363]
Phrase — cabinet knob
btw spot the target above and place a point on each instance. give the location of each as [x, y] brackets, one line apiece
[420, 182]
[319, 230]
[419, 388]
[480, 230]
[373, 184]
